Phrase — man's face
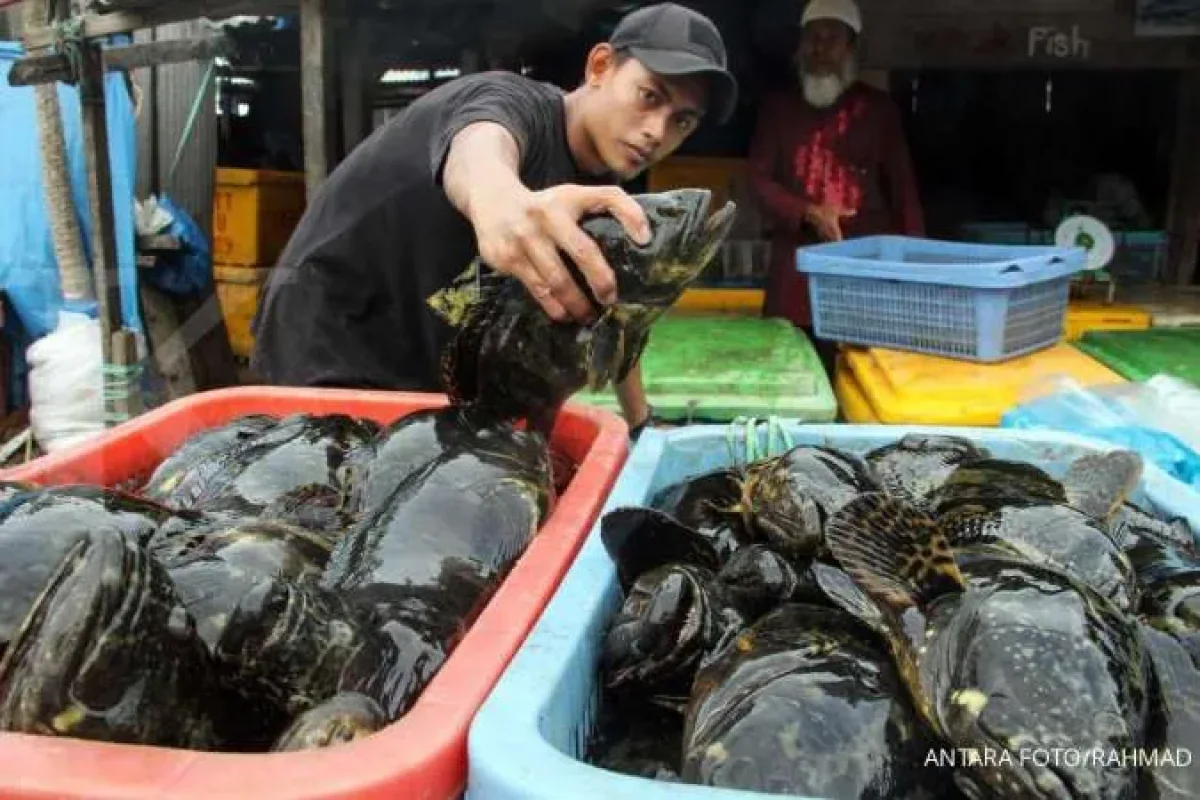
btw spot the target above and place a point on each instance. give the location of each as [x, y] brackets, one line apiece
[824, 47]
[637, 118]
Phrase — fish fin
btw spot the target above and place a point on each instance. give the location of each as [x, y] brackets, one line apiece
[669, 702]
[605, 351]
[1174, 671]
[454, 302]
[895, 551]
[461, 356]
[1099, 483]
[840, 588]
[631, 354]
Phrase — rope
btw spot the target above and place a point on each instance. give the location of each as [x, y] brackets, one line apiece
[747, 451]
[120, 382]
[68, 40]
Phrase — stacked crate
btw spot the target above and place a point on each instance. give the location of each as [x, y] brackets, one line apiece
[254, 214]
[745, 256]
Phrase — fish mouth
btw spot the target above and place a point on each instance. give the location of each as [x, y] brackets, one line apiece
[718, 225]
[708, 227]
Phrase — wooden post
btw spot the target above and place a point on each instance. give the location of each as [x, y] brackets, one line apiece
[1183, 215]
[118, 346]
[99, 173]
[312, 82]
[355, 56]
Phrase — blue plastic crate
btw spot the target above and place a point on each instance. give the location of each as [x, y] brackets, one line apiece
[526, 740]
[1005, 233]
[975, 302]
[1140, 256]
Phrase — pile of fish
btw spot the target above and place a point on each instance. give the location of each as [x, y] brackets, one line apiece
[276, 584]
[281, 584]
[926, 620]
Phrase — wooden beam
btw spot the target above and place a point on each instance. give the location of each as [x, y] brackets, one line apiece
[54, 67]
[313, 46]
[104, 250]
[126, 21]
[1183, 215]
[92, 26]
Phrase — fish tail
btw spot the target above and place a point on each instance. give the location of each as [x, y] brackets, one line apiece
[895, 551]
[1098, 483]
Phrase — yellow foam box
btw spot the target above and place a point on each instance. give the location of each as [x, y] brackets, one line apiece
[1092, 315]
[238, 291]
[254, 214]
[901, 388]
[720, 301]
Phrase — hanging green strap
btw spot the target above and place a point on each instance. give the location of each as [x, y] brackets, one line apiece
[747, 450]
[193, 115]
[120, 381]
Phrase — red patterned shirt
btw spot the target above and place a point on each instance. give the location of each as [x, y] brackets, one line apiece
[852, 154]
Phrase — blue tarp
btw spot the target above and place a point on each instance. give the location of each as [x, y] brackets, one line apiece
[28, 269]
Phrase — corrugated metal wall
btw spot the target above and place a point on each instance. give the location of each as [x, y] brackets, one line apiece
[161, 126]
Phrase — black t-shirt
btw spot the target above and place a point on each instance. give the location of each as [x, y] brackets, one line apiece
[346, 304]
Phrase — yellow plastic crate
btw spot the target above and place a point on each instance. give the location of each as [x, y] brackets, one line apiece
[719, 175]
[901, 388]
[238, 290]
[1093, 315]
[720, 301]
[254, 214]
[852, 403]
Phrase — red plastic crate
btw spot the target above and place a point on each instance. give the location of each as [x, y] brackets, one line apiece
[421, 755]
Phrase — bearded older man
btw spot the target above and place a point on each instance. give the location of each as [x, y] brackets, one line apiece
[830, 160]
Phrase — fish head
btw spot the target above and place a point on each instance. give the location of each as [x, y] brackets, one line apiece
[684, 238]
[665, 626]
[639, 540]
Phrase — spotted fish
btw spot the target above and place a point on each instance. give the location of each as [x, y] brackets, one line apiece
[806, 702]
[1001, 655]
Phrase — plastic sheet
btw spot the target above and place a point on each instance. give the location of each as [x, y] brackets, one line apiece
[28, 269]
[66, 384]
[187, 271]
[1151, 418]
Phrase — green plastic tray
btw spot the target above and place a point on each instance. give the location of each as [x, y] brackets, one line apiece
[1140, 355]
[716, 368]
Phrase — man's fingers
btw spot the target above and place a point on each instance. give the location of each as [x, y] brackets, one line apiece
[553, 279]
[624, 208]
[585, 253]
[518, 265]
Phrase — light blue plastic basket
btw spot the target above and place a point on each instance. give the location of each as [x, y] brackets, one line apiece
[526, 739]
[975, 302]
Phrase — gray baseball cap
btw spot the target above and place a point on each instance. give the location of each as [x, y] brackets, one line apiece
[672, 40]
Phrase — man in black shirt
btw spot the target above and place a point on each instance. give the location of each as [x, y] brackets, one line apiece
[493, 165]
